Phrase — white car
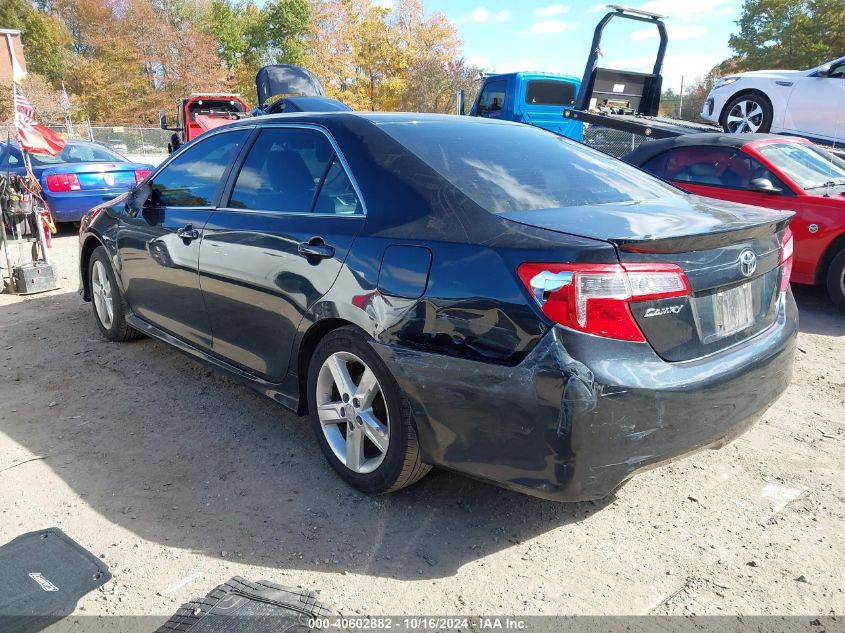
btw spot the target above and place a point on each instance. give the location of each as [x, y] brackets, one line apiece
[809, 103]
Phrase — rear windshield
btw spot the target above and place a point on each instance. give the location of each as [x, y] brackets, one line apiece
[547, 92]
[76, 153]
[506, 167]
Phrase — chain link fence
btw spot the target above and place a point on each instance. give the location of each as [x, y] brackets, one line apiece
[141, 144]
[614, 142]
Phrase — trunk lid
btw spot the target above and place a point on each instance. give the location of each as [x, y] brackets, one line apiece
[730, 254]
[98, 176]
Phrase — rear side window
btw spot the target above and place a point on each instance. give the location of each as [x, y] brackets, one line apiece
[192, 178]
[714, 166]
[548, 92]
[492, 99]
[294, 170]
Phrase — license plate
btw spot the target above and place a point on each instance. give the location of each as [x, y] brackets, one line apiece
[733, 310]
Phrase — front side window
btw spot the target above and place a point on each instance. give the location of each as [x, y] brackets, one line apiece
[294, 170]
[492, 99]
[9, 159]
[193, 177]
[549, 92]
[712, 166]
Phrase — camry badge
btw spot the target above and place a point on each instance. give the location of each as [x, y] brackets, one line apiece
[747, 262]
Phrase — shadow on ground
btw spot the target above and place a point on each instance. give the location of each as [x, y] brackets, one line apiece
[817, 313]
[181, 456]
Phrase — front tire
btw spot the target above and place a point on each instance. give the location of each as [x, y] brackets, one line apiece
[836, 280]
[107, 299]
[747, 114]
[360, 416]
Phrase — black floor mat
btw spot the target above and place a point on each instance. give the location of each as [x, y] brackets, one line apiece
[42, 577]
[249, 607]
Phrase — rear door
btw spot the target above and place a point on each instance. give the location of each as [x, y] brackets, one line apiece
[159, 242]
[543, 101]
[276, 244]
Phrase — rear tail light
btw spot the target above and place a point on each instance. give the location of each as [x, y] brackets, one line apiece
[140, 174]
[595, 298]
[63, 182]
[786, 249]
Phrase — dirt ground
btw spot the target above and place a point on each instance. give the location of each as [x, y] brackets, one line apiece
[174, 474]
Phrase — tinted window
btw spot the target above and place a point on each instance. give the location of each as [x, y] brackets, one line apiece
[510, 167]
[716, 166]
[193, 177]
[492, 99]
[9, 160]
[558, 93]
[284, 170]
[337, 194]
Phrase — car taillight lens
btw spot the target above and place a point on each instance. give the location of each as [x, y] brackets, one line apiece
[63, 182]
[786, 249]
[595, 298]
[140, 174]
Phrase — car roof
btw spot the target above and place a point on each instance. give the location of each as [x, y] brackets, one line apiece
[647, 151]
[376, 118]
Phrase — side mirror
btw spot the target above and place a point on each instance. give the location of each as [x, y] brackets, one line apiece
[460, 102]
[763, 185]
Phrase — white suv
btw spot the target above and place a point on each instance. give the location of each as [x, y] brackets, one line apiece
[810, 103]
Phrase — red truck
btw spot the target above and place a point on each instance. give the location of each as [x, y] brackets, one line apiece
[202, 112]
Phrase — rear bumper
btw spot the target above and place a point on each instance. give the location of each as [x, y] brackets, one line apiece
[581, 414]
[71, 207]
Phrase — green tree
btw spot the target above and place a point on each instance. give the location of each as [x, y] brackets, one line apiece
[46, 40]
[787, 34]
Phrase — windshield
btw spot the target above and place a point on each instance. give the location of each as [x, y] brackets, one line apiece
[506, 167]
[810, 167]
[79, 153]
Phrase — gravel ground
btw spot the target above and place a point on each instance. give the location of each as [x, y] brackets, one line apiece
[169, 471]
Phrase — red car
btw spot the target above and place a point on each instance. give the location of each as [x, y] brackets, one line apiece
[778, 172]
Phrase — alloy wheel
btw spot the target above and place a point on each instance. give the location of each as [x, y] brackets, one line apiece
[101, 291]
[352, 412]
[745, 117]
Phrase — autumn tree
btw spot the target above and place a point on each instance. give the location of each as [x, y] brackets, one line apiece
[787, 34]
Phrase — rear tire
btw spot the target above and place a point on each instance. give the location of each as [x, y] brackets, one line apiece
[346, 377]
[110, 307]
[836, 280]
[747, 113]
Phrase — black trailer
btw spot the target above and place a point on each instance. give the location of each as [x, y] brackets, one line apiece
[621, 107]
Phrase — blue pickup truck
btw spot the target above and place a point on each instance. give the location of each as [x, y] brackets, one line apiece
[534, 98]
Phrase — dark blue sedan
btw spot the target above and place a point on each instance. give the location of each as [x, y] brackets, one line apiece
[82, 176]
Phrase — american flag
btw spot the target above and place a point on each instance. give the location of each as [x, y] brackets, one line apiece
[22, 104]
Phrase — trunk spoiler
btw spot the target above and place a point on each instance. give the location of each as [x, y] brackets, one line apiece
[705, 241]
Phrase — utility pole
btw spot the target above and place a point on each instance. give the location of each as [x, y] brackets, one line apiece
[681, 104]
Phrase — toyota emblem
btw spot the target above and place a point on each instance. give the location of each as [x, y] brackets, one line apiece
[747, 262]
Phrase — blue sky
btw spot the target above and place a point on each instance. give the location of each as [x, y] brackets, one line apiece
[549, 36]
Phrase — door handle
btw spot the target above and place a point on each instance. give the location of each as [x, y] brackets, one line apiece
[188, 233]
[316, 247]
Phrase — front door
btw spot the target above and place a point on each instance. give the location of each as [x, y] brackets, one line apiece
[159, 241]
[816, 104]
[276, 245]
